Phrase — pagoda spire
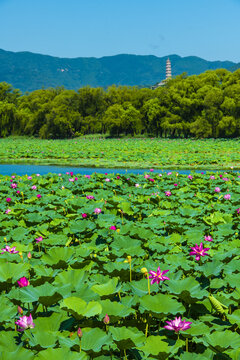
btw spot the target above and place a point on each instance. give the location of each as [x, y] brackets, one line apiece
[168, 69]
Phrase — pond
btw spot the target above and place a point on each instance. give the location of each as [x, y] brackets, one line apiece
[9, 169]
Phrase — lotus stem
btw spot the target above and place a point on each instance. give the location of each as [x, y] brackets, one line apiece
[120, 299]
[125, 355]
[80, 348]
[148, 284]
[130, 270]
[146, 331]
[186, 344]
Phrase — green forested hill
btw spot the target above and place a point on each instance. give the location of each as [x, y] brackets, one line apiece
[27, 71]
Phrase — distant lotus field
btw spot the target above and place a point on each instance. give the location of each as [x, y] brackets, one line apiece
[127, 152]
[120, 266]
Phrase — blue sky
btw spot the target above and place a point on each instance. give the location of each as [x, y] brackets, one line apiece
[94, 28]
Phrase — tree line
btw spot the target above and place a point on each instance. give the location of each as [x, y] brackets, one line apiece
[200, 106]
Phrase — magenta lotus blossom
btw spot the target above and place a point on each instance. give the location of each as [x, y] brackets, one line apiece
[160, 175]
[220, 176]
[97, 211]
[75, 178]
[146, 176]
[175, 184]
[13, 185]
[168, 193]
[190, 177]
[13, 176]
[71, 179]
[225, 179]
[178, 325]
[158, 276]
[84, 215]
[39, 239]
[212, 177]
[199, 251]
[18, 191]
[25, 322]
[10, 250]
[238, 210]
[90, 197]
[118, 177]
[107, 179]
[227, 197]
[8, 199]
[34, 187]
[152, 180]
[151, 170]
[29, 178]
[113, 227]
[8, 211]
[87, 176]
[208, 238]
[71, 173]
[23, 282]
[39, 196]
[217, 189]
[169, 173]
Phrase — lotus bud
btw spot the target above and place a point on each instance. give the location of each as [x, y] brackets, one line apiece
[20, 310]
[79, 333]
[144, 271]
[29, 255]
[106, 319]
[129, 258]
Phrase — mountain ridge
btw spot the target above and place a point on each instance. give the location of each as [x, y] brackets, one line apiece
[29, 71]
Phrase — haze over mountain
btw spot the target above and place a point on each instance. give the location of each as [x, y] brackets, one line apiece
[28, 71]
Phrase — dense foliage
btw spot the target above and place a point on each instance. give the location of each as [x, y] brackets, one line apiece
[77, 253]
[97, 151]
[203, 106]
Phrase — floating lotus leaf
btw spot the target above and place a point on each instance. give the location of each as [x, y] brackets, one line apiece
[61, 353]
[127, 337]
[80, 308]
[13, 271]
[161, 304]
[95, 339]
[222, 340]
[110, 287]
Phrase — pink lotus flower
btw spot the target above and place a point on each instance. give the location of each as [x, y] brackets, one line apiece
[90, 197]
[29, 178]
[199, 251]
[113, 227]
[158, 276]
[208, 238]
[71, 173]
[10, 250]
[84, 215]
[169, 173]
[212, 177]
[59, 174]
[160, 175]
[97, 211]
[37, 174]
[13, 176]
[18, 191]
[238, 210]
[227, 196]
[168, 193]
[39, 239]
[23, 282]
[175, 184]
[146, 176]
[190, 177]
[220, 176]
[178, 325]
[225, 179]
[137, 185]
[87, 176]
[217, 189]
[118, 177]
[29, 255]
[151, 170]
[75, 178]
[107, 180]
[34, 187]
[25, 322]
[13, 185]
[8, 211]
[71, 180]
[39, 196]
[8, 199]
[106, 319]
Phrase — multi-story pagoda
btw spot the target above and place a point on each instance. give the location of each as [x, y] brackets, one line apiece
[168, 69]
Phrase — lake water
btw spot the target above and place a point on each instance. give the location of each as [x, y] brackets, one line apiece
[10, 169]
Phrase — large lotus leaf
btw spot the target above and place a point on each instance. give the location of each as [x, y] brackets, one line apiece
[13, 271]
[35, 217]
[140, 288]
[81, 226]
[8, 310]
[161, 304]
[234, 354]
[188, 289]
[8, 341]
[94, 339]
[61, 353]
[27, 294]
[234, 318]
[232, 266]
[189, 356]
[58, 256]
[20, 354]
[222, 340]
[236, 295]
[44, 338]
[80, 308]
[197, 329]
[127, 337]
[18, 233]
[71, 279]
[110, 287]
[113, 308]
[56, 239]
[156, 346]
[212, 268]
[233, 280]
[48, 294]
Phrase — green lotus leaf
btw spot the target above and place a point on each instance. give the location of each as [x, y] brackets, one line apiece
[235, 295]
[222, 340]
[110, 287]
[127, 337]
[26, 294]
[189, 356]
[13, 271]
[19, 233]
[20, 353]
[81, 226]
[94, 339]
[61, 353]
[73, 279]
[113, 308]
[58, 256]
[161, 304]
[79, 308]
[212, 268]
[233, 280]
[188, 289]
[234, 318]
[156, 346]
[8, 310]
[234, 354]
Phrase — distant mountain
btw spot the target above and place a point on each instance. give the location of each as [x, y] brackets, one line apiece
[28, 71]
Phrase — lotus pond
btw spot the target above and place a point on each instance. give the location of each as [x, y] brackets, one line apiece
[120, 266]
[135, 153]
